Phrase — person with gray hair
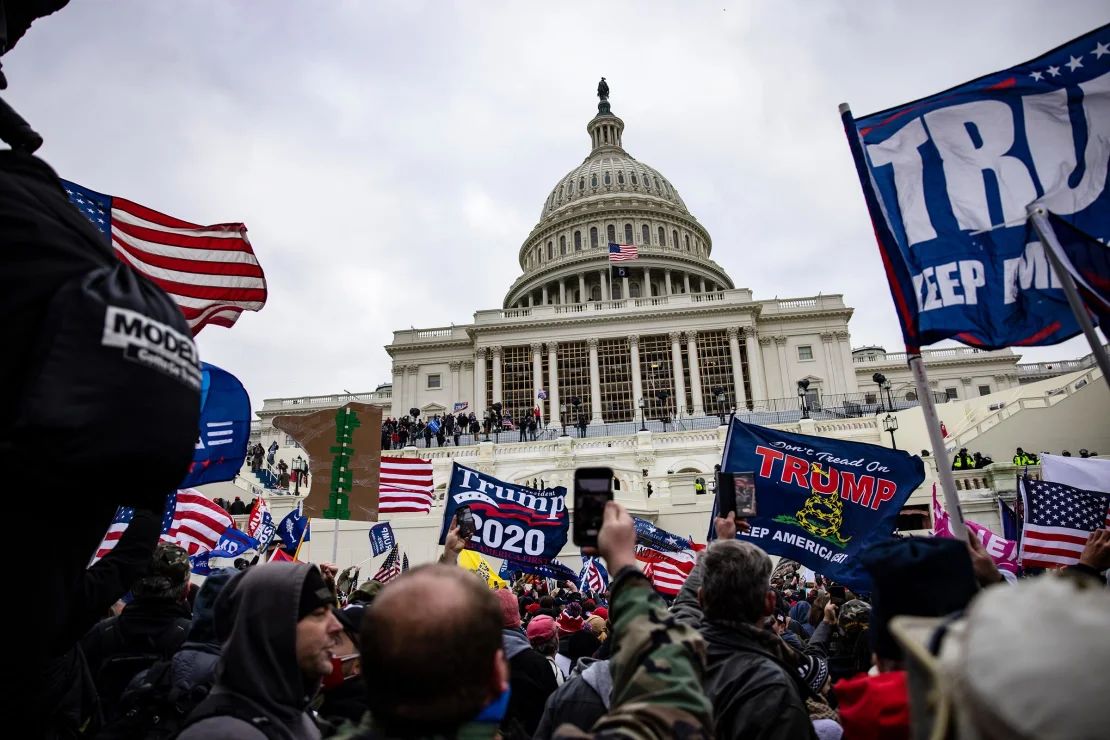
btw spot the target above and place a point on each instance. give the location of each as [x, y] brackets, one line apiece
[752, 676]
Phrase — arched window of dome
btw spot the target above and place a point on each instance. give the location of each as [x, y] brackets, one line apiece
[615, 289]
[593, 181]
[581, 183]
[593, 237]
[674, 238]
[605, 133]
[620, 178]
[578, 241]
[662, 237]
[656, 182]
[634, 180]
[560, 192]
[646, 233]
[562, 245]
[608, 179]
[595, 292]
[633, 290]
[611, 232]
[687, 242]
[628, 233]
[550, 251]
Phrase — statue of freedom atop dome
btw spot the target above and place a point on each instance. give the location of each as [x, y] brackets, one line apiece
[603, 89]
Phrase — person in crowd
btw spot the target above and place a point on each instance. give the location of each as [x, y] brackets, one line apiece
[419, 688]
[1084, 454]
[963, 461]
[441, 435]
[237, 508]
[541, 634]
[752, 677]
[456, 433]
[582, 644]
[568, 623]
[428, 435]
[982, 461]
[843, 638]
[583, 423]
[280, 644]
[522, 427]
[1021, 457]
[150, 628]
[531, 680]
[283, 474]
[943, 430]
[343, 694]
[598, 625]
[581, 701]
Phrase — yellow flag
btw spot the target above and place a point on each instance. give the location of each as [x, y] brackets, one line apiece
[475, 563]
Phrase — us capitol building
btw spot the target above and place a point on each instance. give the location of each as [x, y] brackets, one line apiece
[652, 361]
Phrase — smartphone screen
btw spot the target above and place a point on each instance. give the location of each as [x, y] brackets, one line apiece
[736, 492]
[465, 517]
[593, 488]
[838, 595]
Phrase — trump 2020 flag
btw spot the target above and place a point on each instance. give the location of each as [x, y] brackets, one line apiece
[821, 501]
[225, 426]
[948, 180]
[513, 522]
[381, 538]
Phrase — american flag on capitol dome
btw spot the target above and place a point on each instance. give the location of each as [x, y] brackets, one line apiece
[622, 252]
[210, 272]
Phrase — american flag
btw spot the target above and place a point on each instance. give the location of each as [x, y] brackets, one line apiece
[115, 531]
[1058, 521]
[667, 571]
[622, 252]
[593, 577]
[395, 564]
[210, 272]
[406, 485]
[194, 522]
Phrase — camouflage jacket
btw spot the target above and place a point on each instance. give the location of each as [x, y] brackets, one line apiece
[657, 667]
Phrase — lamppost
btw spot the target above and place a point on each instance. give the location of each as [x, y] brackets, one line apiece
[661, 397]
[643, 418]
[563, 418]
[298, 465]
[889, 397]
[890, 424]
[879, 380]
[803, 388]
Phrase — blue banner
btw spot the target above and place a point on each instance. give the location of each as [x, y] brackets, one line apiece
[225, 426]
[291, 529]
[649, 535]
[513, 522]
[820, 500]
[233, 543]
[593, 576]
[554, 570]
[948, 178]
[381, 538]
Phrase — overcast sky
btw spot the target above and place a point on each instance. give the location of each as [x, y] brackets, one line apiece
[389, 158]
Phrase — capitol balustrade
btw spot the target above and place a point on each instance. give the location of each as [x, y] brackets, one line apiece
[309, 403]
[933, 355]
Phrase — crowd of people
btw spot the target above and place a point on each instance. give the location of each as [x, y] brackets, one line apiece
[415, 431]
[977, 461]
[295, 650]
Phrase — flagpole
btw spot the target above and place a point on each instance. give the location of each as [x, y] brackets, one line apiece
[940, 455]
[1055, 252]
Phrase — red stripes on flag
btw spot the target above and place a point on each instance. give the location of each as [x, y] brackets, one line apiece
[197, 523]
[405, 486]
[210, 272]
[668, 571]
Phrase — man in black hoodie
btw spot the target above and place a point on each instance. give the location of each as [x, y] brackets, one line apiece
[281, 643]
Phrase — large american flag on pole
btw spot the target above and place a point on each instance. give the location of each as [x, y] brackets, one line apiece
[622, 252]
[194, 522]
[405, 485]
[1059, 520]
[210, 272]
[668, 571]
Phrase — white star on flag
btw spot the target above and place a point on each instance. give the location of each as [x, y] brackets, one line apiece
[1036, 76]
[1074, 63]
[1054, 71]
[1101, 49]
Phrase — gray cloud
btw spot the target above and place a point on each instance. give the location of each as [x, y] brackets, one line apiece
[389, 158]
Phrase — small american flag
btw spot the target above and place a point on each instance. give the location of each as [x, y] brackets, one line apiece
[667, 571]
[395, 564]
[622, 252]
[210, 272]
[1058, 521]
[593, 576]
[405, 485]
[193, 522]
[115, 531]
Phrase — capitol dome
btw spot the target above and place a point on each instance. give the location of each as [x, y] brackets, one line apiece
[613, 198]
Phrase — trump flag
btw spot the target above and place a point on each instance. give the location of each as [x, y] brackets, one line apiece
[820, 501]
[225, 427]
[948, 180]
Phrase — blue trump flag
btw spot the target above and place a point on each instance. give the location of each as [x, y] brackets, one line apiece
[292, 528]
[948, 180]
[381, 538]
[225, 426]
[820, 500]
[233, 544]
[650, 535]
[593, 576]
[554, 570]
[513, 522]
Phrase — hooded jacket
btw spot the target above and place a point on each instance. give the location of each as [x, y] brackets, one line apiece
[581, 701]
[531, 680]
[258, 672]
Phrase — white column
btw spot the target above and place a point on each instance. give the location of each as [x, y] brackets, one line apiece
[843, 339]
[624, 287]
[831, 352]
[496, 352]
[537, 376]
[531, 299]
[595, 382]
[702, 281]
[398, 396]
[784, 373]
[667, 279]
[543, 296]
[603, 277]
[695, 371]
[637, 382]
[412, 386]
[646, 292]
[686, 281]
[562, 291]
[455, 390]
[755, 365]
[582, 288]
[479, 382]
[465, 377]
[553, 377]
[741, 399]
[679, 373]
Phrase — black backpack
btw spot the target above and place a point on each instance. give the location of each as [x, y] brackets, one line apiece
[126, 658]
[156, 709]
